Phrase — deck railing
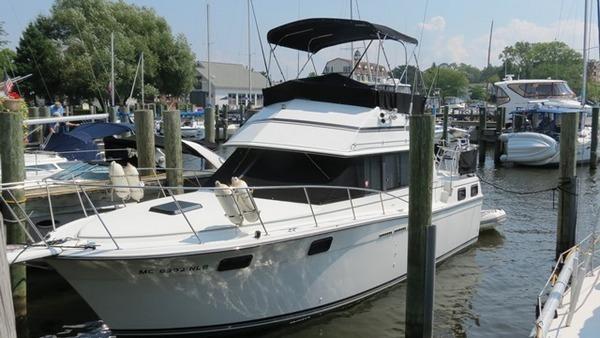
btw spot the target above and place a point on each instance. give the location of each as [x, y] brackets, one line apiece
[569, 272]
[376, 199]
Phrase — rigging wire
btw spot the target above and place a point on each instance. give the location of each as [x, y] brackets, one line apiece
[260, 41]
[37, 66]
[89, 60]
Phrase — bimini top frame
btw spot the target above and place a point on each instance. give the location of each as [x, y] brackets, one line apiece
[312, 35]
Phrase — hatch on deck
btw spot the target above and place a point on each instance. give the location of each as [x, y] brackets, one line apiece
[172, 209]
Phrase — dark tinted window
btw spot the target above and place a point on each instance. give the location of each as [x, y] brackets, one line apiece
[234, 263]
[320, 245]
[462, 194]
[474, 190]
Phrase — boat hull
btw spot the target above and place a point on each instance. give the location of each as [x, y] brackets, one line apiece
[535, 149]
[282, 282]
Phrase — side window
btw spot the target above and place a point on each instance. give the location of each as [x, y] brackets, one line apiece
[474, 190]
[320, 245]
[234, 263]
[501, 96]
[395, 170]
[462, 194]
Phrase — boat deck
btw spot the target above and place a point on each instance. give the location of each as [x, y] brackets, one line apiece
[586, 320]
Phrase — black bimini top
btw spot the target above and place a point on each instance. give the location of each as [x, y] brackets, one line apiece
[312, 35]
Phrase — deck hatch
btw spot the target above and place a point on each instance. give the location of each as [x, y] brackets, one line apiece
[320, 245]
[172, 209]
[234, 263]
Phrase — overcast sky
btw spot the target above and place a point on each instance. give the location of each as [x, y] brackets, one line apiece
[448, 31]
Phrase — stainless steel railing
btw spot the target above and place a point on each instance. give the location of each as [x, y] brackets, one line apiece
[80, 189]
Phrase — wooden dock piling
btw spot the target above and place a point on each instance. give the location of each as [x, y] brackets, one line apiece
[594, 148]
[144, 134]
[173, 151]
[445, 124]
[481, 143]
[36, 131]
[567, 184]
[8, 327]
[209, 125]
[419, 289]
[225, 121]
[499, 126]
[13, 170]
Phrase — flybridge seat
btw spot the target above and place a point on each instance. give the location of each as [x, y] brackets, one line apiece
[336, 88]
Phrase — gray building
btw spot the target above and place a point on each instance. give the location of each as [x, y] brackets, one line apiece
[229, 84]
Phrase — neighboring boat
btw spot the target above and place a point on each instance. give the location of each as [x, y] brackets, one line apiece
[533, 122]
[569, 303]
[323, 224]
[535, 141]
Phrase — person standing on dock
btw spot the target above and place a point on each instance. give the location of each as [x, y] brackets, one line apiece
[57, 110]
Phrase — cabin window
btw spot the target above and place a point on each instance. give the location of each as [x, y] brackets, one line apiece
[319, 246]
[279, 168]
[462, 194]
[234, 263]
[474, 190]
[501, 96]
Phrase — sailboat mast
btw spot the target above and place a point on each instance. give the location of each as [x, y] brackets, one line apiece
[112, 69]
[351, 43]
[490, 45]
[585, 54]
[142, 78]
[249, 59]
[209, 103]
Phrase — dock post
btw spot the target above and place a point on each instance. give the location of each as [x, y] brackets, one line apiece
[481, 141]
[34, 113]
[498, 143]
[13, 170]
[112, 116]
[8, 327]
[445, 124]
[419, 289]
[225, 121]
[173, 151]
[567, 184]
[594, 150]
[209, 125]
[144, 135]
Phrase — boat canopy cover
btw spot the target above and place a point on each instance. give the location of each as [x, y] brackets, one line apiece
[312, 35]
[548, 109]
[336, 88]
[79, 144]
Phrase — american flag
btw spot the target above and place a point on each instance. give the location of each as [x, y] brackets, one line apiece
[8, 84]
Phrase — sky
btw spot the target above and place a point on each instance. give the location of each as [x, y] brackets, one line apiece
[447, 30]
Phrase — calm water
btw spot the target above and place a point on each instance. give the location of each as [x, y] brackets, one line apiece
[487, 291]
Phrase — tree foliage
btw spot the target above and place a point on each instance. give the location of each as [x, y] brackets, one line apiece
[544, 60]
[451, 82]
[2, 34]
[68, 51]
[478, 92]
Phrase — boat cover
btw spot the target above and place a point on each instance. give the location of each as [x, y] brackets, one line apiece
[312, 35]
[79, 144]
[336, 88]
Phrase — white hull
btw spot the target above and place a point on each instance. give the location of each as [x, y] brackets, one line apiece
[186, 293]
[535, 149]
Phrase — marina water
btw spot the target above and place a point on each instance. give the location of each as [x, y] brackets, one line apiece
[487, 291]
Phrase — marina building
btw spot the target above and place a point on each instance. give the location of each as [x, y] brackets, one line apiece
[229, 85]
[364, 72]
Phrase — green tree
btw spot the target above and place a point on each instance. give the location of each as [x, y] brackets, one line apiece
[69, 51]
[7, 59]
[544, 60]
[2, 34]
[478, 92]
[451, 82]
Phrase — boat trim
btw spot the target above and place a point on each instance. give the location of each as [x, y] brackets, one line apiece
[326, 124]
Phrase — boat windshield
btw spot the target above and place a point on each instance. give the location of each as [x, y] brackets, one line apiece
[262, 167]
[541, 90]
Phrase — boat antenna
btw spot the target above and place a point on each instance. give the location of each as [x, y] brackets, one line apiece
[112, 69]
[262, 51]
[249, 60]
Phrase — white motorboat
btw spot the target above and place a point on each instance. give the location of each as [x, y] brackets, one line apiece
[534, 108]
[324, 223]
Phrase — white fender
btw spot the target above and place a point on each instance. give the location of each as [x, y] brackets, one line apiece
[117, 178]
[225, 197]
[133, 180]
[244, 199]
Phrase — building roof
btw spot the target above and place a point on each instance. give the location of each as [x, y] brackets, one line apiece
[231, 75]
[362, 66]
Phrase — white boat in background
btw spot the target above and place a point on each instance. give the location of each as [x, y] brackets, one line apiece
[533, 115]
[40, 165]
[323, 224]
